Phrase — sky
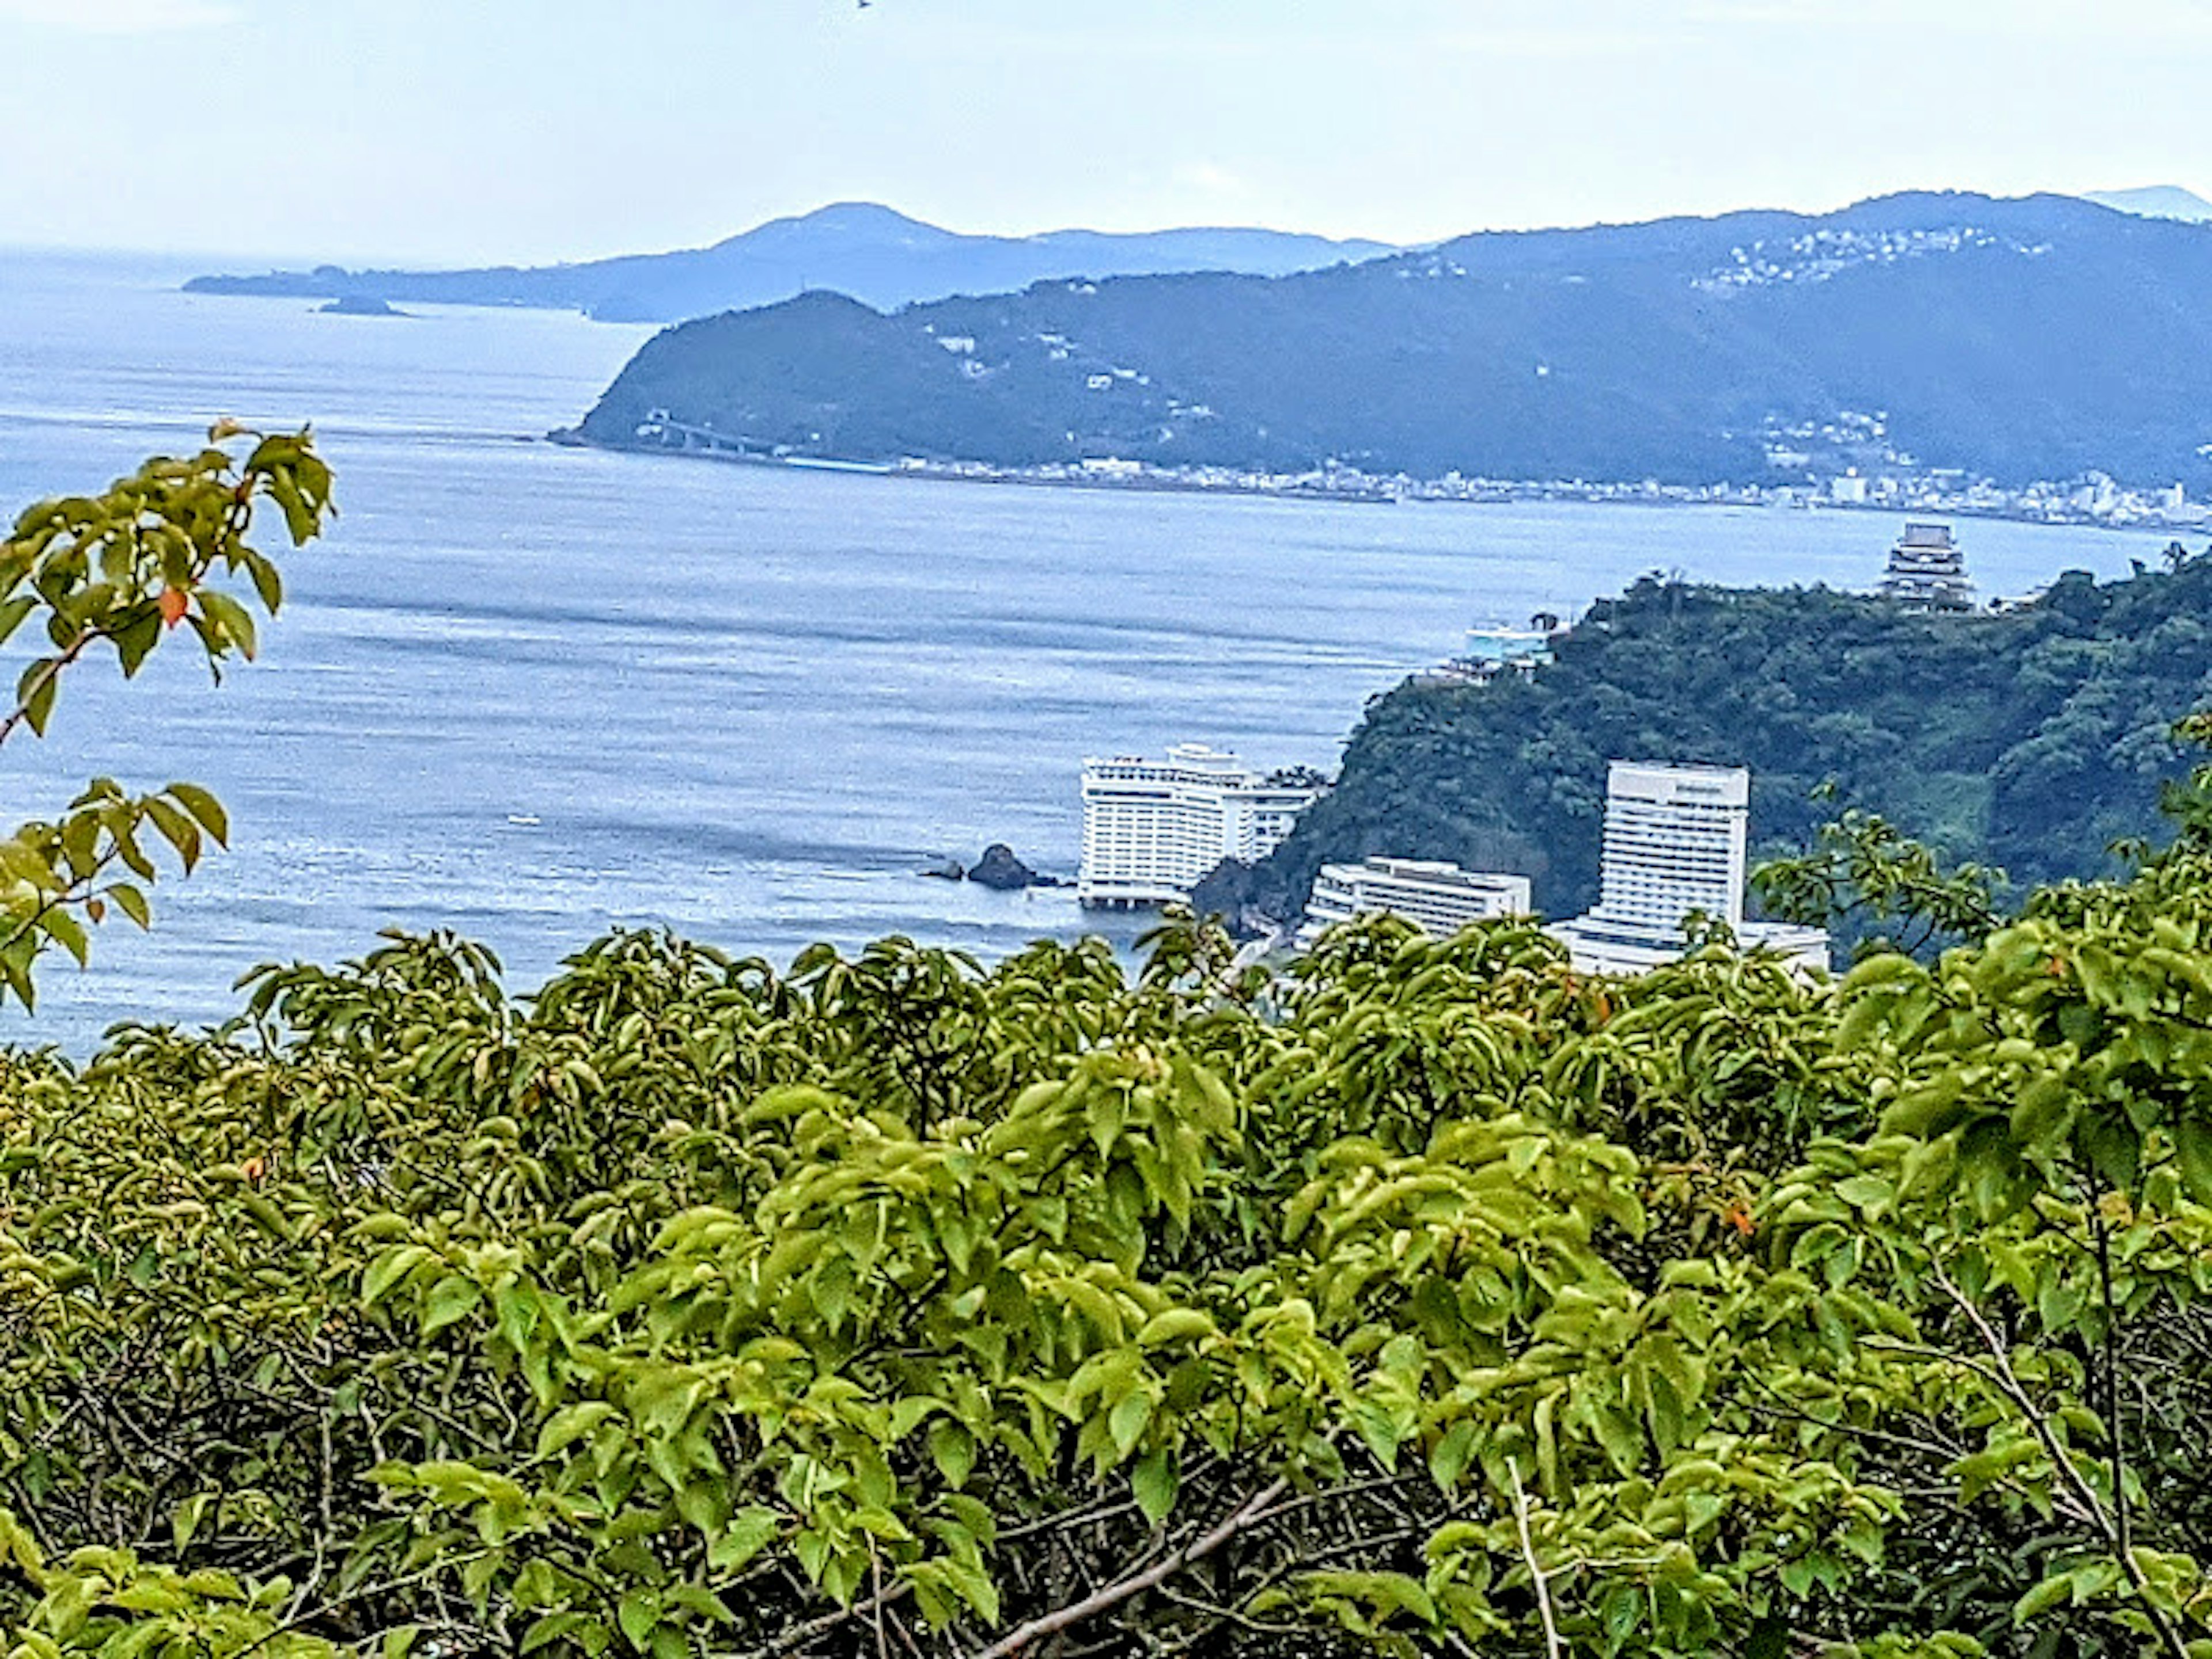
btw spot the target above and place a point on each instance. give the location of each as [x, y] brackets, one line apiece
[478, 132]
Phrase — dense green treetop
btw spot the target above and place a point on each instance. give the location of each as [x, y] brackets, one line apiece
[1428, 1298]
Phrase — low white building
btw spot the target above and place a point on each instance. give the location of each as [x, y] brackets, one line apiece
[1435, 896]
[1675, 839]
[1153, 828]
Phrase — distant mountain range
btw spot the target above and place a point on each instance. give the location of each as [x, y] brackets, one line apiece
[876, 256]
[2155, 202]
[2024, 338]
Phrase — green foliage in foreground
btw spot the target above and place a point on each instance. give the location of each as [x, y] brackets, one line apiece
[2025, 742]
[1425, 1299]
[117, 572]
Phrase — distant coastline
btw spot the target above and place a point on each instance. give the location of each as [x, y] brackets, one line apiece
[2053, 504]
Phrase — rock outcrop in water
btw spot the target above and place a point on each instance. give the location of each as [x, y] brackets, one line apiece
[1001, 869]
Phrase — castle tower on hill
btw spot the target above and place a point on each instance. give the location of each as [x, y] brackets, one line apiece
[1927, 571]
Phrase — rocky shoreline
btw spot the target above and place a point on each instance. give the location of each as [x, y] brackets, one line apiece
[997, 869]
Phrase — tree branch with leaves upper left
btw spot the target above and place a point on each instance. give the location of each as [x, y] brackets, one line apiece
[122, 571]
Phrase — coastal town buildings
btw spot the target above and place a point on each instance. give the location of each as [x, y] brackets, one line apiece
[1902, 487]
[1435, 896]
[1152, 829]
[1927, 571]
[1675, 839]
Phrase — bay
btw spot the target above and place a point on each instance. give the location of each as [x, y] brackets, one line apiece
[530, 692]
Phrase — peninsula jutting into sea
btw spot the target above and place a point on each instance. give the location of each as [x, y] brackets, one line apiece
[1917, 351]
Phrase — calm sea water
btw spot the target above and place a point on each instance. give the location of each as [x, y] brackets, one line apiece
[532, 692]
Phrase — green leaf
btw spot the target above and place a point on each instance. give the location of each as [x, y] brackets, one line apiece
[1153, 1482]
[65, 931]
[2058, 1588]
[205, 808]
[131, 901]
[266, 582]
[1125, 1422]
[136, 640]
[2192, 1146]
[232, 618]
[1448, 1461]
[638, 1613]
[388, 1269]
[1175, 1325]
[451, 1298]
[13, 612]
[953, 1450]
[35, 693]
[569, 1424]
[177, 829]
[1865, 1192]
[551, 1627]
[185, 1521]
[745, 1534]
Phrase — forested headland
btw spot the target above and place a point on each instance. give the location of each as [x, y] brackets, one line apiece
[1686, 351]
[2030, 740]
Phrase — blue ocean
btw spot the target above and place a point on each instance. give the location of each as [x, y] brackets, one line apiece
[531, 693]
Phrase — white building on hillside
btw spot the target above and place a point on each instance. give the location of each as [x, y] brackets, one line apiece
[1152, 829]
[1674, 846]
[1436, 897]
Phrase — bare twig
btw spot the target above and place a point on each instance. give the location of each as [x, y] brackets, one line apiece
[1253, 1510]
[1537, 1576]
[2008, 1381]
[799, 1636]
[876, 1572]
[2108, 1346]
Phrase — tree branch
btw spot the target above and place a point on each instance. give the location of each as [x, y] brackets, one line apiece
[2009, 1381]
[1251, 1512]
[1537, 1576]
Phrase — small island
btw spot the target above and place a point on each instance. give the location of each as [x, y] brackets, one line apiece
[360, 305]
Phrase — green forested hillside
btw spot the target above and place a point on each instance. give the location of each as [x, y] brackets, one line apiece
[2031, 740]
[2028, 339]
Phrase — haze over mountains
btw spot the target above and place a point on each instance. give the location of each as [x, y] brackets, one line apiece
[2155, 202]
[876, 256]
[2036, 338]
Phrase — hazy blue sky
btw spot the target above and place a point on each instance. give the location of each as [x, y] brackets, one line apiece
[530, 129]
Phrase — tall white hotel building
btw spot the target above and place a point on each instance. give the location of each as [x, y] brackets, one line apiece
[1152, 828]
[1675, 845]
